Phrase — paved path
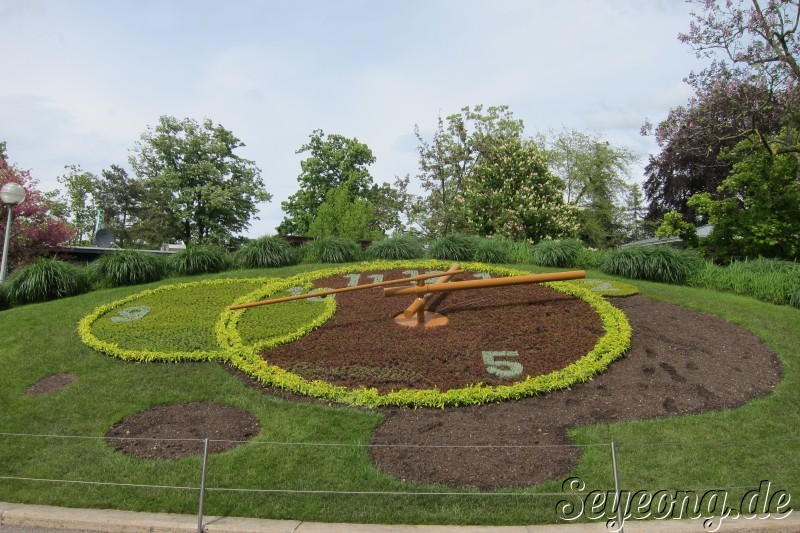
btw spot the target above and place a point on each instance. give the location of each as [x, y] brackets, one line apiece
[19, 518]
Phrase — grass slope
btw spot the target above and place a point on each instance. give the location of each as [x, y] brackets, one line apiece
[736, 448]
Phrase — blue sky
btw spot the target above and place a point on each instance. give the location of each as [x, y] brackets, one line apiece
[83, 79]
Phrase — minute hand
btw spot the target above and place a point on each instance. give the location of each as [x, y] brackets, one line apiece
[484, 283]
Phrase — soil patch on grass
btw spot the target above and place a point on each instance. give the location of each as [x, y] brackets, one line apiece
[175, 431]
[51, 384]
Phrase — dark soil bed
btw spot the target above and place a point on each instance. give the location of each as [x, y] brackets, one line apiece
[680, 362]
[363, 346]
[51, 384]
[175, 431]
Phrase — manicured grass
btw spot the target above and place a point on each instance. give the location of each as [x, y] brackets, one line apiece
[734, 448]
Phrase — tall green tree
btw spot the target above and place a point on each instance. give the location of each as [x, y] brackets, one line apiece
[596, 176]
[122, 200]
[340, 215]
[449, 159]
[207, 190]
[80, 187]
[757, 212]
[512, 193]
[333, 161]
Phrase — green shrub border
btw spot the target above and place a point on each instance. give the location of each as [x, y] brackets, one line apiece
[612, 345]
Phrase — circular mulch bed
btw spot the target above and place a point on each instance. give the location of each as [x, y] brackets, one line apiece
[363, 346]
[51, 384]
[175, 431]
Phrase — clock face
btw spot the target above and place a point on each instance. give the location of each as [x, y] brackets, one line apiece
[510, 341]
[493, 336]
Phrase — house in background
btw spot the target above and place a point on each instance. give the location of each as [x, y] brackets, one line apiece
[702, 231]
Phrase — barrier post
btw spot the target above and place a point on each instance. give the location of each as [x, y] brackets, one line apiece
[620, 512]
[202, 487]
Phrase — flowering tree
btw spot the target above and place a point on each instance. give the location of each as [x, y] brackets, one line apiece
[33, 229]
[511, 193]
[754, 47]
[449, 160]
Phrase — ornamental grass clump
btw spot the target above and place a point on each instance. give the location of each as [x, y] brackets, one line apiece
[489, 250]
[46, 279]
[768, 280]
[590, 259]
[266, 252]
[520, 252]
[129, 267]
[655, 263]
[331, 249]
[561, 253]
[453, 247]
[396, 247]
[200, 259]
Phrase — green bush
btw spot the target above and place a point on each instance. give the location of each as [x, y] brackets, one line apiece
[768, 280]
[396, 247]
[590, 259]
[454, 247]
[655, 263]
[200, 259]
[46, 279]
[520, 252]
[129, 267]
[488, 250]
[5, 303]
[266, 252]
[794, 298]
[559, 254]
[331, 250]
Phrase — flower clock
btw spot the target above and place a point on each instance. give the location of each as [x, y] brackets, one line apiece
[352, 345]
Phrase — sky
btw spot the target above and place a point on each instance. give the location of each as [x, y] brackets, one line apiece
[83, 79]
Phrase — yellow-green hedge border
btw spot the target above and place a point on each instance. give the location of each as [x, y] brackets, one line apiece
[609, 347]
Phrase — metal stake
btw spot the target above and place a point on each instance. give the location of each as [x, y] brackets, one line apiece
[620, 513]
[202, 487]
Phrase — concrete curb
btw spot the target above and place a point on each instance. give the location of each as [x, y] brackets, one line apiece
[113, 521]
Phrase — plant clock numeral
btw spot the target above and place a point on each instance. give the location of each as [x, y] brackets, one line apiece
[501, 368]
[131, 314]
[297, 291]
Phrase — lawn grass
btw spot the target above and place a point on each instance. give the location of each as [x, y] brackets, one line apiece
[728, 449]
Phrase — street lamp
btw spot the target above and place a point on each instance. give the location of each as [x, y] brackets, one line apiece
[11, 194]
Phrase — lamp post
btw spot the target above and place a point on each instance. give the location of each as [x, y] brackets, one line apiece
[11, 194]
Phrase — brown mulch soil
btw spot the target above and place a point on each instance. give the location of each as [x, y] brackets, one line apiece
[680, 362]
[51, 384]
[362, 346]
[175, 431]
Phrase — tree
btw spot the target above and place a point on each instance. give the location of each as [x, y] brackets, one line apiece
[207, 191]
[511, 193]
[596, 177]
[674, 226]
[121, 200]
[758, 209]
[633, 223]
[341, 215]
[79, 200]
[449, 159]
[751, 46]
[333, 162]
[34, 230]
